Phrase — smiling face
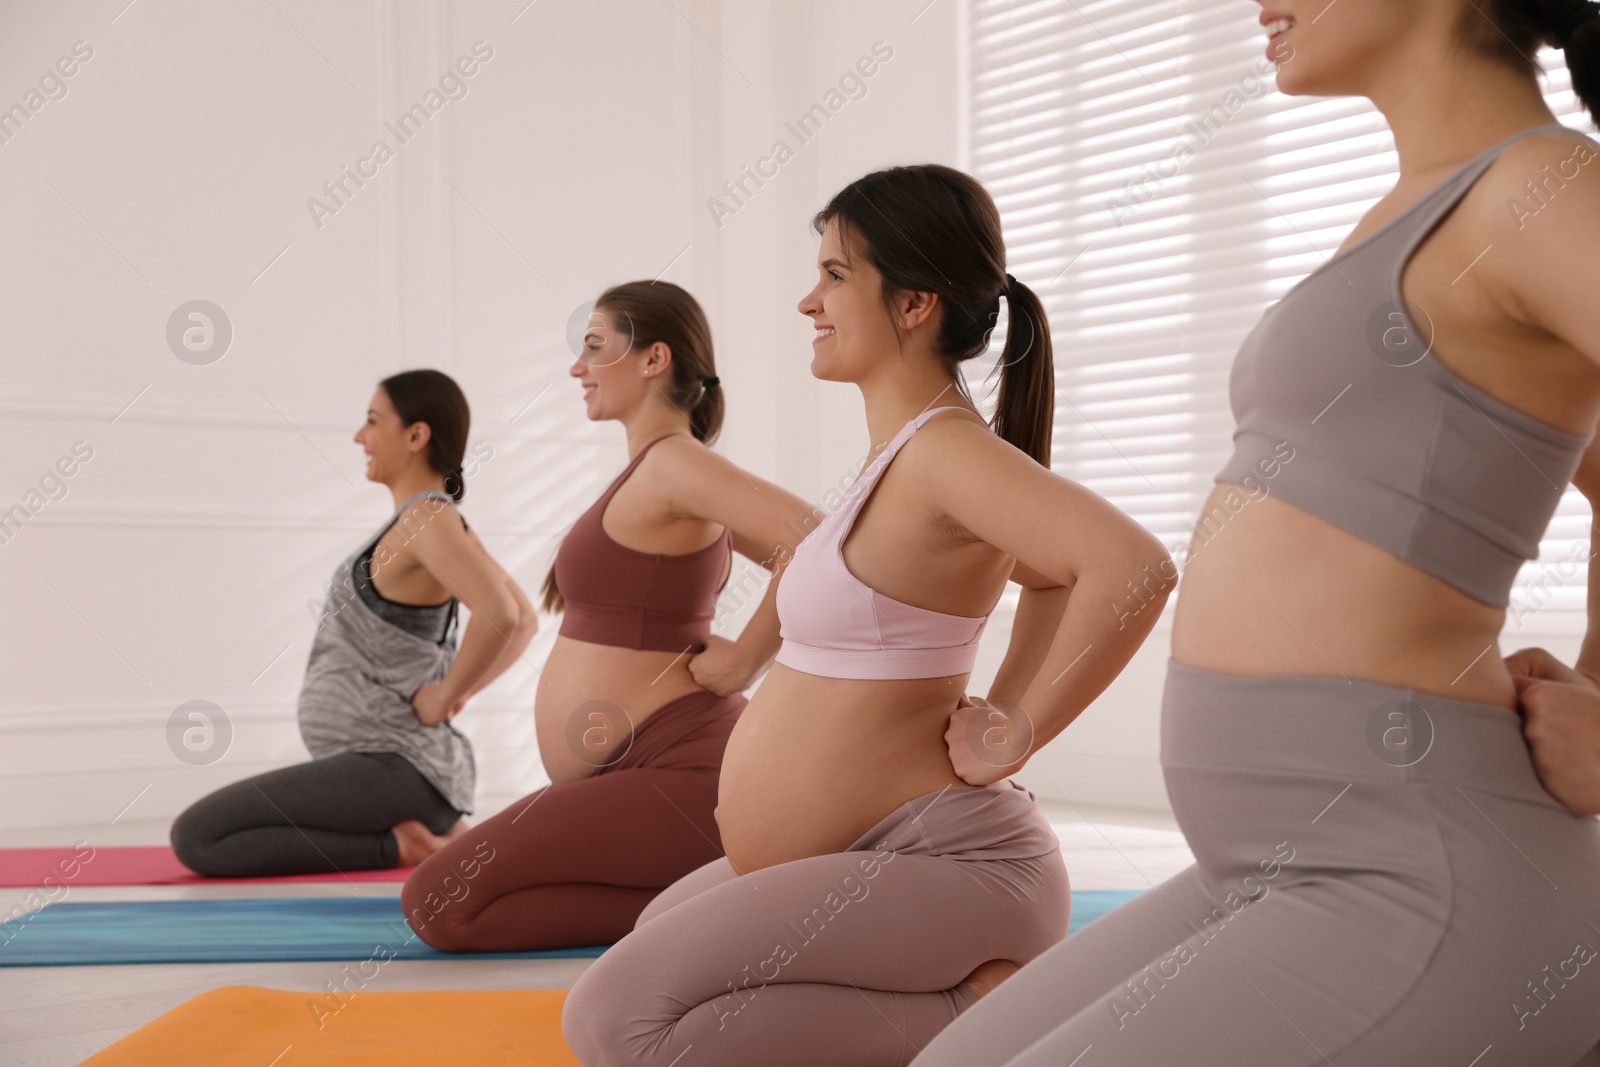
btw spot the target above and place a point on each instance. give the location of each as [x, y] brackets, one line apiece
[611, 372]
[846, 307]
[1345, 47]
[392, 449]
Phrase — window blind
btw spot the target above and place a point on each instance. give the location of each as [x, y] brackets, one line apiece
[1159, 193]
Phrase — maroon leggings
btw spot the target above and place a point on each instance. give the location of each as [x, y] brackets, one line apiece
[576, 863]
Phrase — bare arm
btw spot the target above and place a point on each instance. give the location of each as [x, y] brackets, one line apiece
[1587, 481]
[1545, 268]
[767, 522]
[1039, 611]
[1118, 574]
[1560, 706]
[516, 643]
[500, 627]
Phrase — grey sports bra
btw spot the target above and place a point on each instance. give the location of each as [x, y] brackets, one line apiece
[1388, 443]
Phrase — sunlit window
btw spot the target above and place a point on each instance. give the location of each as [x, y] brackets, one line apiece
[1159, 193]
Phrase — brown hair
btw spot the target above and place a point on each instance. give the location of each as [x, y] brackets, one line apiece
[651, 312]
[433, 397]
[1514, 30]
[930, 228]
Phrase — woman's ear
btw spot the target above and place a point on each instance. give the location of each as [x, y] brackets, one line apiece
[659, 361]
[418, 434]
[916, 307]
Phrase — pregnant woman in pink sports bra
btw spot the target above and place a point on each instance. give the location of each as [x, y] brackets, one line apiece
[637, 698]
[882, 873]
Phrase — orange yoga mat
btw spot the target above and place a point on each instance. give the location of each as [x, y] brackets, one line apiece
[248, 1026]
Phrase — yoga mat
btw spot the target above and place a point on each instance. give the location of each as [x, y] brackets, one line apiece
[1089, 904]
[248, 1026]
[141, 865]
[248, 931]
[227, 931]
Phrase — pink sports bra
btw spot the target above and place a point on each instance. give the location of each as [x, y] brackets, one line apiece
[836, 626]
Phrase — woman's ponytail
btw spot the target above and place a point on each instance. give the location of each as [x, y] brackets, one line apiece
[1025, 406]
[1578, 35]
[705, 417]
[1515, 30]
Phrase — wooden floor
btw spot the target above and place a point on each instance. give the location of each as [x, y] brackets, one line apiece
[58, 1016]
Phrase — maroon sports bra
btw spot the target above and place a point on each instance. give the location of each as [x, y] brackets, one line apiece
[616, 595]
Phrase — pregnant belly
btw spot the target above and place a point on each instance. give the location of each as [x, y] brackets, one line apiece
[1277, 590]
[591, 697]
[813, 763]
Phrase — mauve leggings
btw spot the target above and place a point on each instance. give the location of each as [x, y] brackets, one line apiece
[850, 959]
[1381, 881]
[575, 864]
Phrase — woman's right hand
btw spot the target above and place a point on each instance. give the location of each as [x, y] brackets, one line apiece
[432, 704]
[988, 741]
[1561, 720]
[719, 667]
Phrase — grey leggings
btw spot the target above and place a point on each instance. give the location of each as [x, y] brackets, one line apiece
[845, 959]
[331, 814]
[1380, 880]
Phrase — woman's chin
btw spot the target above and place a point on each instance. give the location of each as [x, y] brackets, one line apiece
[825, 368]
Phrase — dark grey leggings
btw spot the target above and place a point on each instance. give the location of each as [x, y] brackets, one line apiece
[332, 814]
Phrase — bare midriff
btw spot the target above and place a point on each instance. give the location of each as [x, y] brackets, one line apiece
[814, 762]
[1278, 590]
[590, 696]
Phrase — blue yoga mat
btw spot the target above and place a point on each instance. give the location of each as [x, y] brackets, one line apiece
[250, 931]
[1089, 904]
[227, 931]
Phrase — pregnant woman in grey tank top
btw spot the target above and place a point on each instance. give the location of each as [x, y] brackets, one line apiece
[390, 776]
[1381, 876]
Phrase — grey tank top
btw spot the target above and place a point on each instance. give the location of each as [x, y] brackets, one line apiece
[356, 696]
[1387, 442]
[431, 622]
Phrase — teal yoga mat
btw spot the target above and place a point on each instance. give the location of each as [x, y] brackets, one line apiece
[1089, 904]
[250, 931]
[227, 931]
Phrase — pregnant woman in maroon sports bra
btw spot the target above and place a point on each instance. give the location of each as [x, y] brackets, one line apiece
[637, 698]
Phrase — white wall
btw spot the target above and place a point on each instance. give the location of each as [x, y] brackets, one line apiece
[586, 151]
[178, 165]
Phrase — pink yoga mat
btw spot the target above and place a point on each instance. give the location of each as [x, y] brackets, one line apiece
[142, 865]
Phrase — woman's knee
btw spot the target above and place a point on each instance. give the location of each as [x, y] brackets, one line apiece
[432, 912]
[194, 837]
[608, 1021]
[692, 884]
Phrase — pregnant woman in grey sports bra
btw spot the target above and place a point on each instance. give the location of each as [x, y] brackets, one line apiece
[1381, 877]
[391, 776]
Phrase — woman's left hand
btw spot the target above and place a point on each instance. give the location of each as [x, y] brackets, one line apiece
[719, 667]
[433, 704]
[988, 741]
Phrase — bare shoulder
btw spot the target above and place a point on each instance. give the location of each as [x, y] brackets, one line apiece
[676, 465]
[962, 467]
[1541, 218]
[1549, 175]
[432, 523]
[960, 443]
[679, 453]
